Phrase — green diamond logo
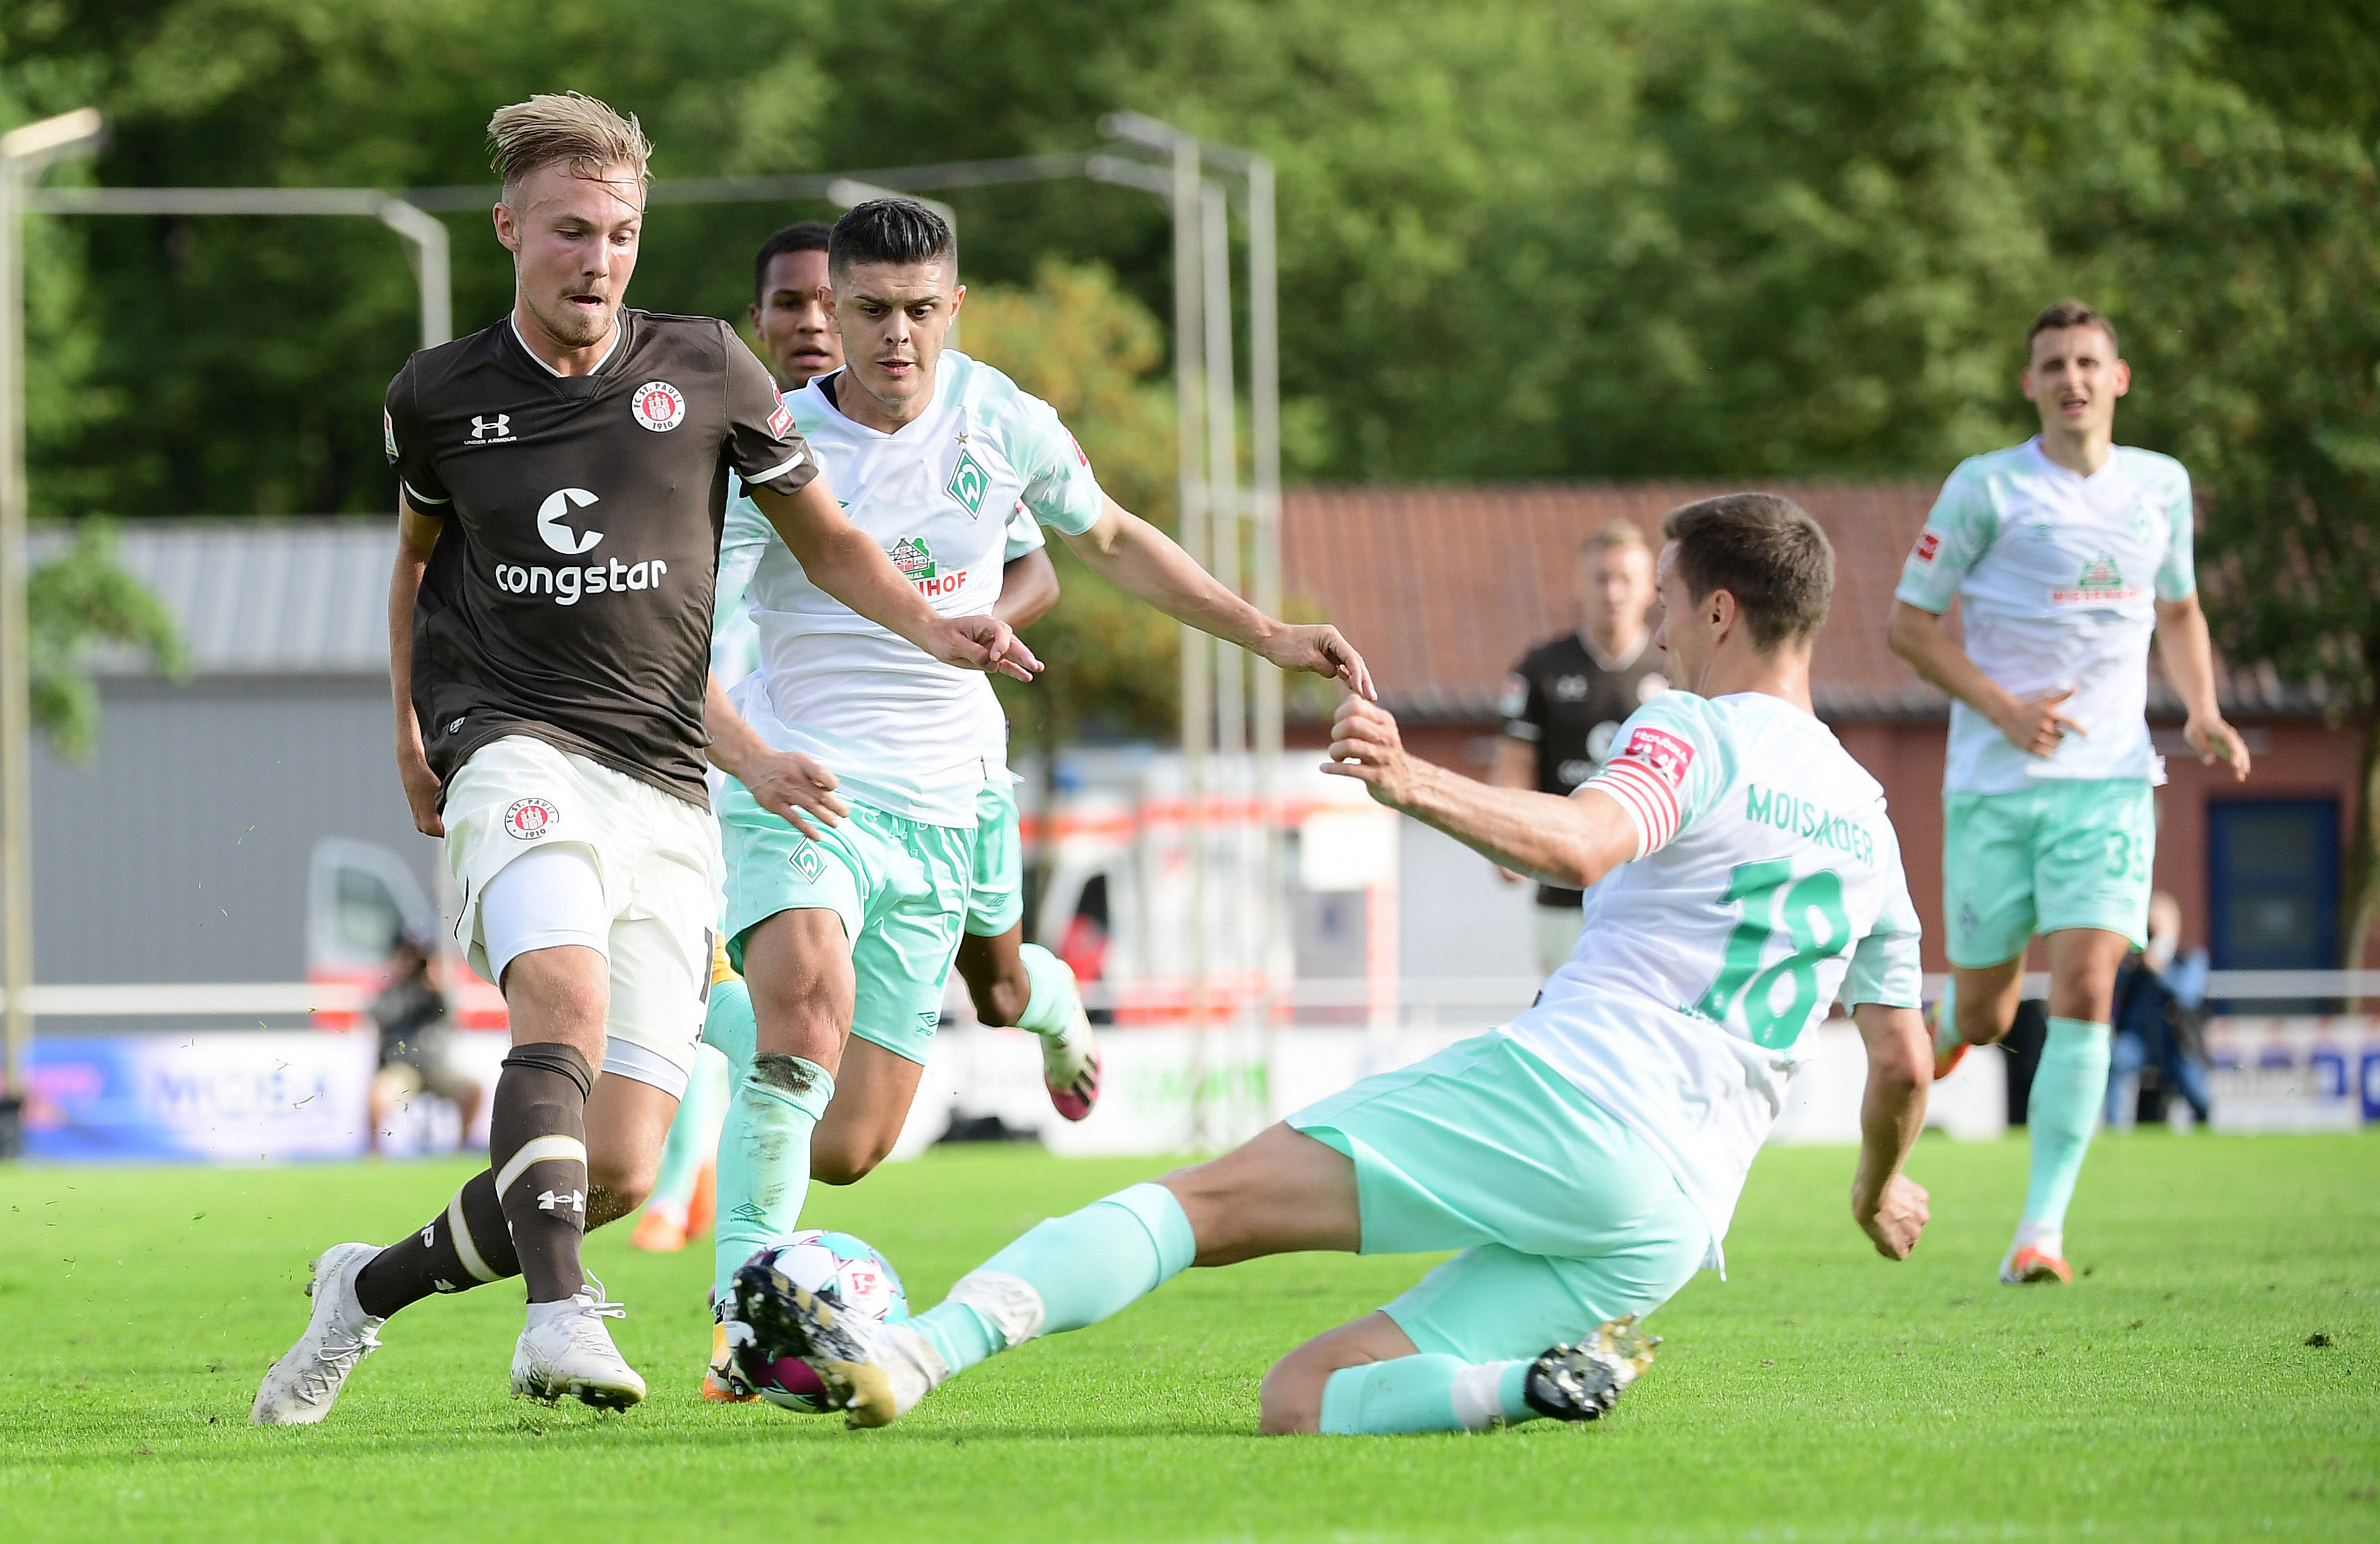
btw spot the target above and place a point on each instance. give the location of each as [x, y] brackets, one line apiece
[969, 484]
[2101, 573]
[806, 861]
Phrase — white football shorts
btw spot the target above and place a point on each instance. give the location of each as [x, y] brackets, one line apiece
[657, 857]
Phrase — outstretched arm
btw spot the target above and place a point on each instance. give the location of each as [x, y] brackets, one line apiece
[1130, 553]
[2188, 658]
[1571, 841]
[1890, 1206]
[841, 560]
[2037, 726]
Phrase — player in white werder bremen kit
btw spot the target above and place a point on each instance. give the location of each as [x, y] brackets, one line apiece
[1011, 982]
[2065, 554]
[1586, 1158]
[858, 765]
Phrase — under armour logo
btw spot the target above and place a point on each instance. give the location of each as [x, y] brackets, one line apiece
[557, 1200]
[455, 726]
[489, 432]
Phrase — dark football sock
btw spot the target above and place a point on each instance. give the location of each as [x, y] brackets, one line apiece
[536, 1145]
[465, 1245]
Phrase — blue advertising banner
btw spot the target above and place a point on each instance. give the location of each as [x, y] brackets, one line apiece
[204, 1096]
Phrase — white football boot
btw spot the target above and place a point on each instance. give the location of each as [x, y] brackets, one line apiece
[299, 1389]
[1070, 1066]
[567, 1350]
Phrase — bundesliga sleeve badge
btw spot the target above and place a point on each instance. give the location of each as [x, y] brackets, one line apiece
[659, 406]
[1662, 751]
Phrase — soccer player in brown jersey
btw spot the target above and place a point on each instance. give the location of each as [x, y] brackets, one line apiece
[563, 476]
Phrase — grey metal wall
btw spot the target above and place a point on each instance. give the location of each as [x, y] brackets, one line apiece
[178, 852]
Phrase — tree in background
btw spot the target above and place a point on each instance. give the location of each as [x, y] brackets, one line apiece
[80, 600]
[1081, 345]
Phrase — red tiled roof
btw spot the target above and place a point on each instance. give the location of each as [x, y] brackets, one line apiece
[1443, 589]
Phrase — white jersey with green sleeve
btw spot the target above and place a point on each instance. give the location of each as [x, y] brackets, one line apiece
[2057, 576]
[901, 730]
[1767, 887]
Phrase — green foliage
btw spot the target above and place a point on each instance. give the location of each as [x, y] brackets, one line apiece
[79, 599]
[1818, 1393]
[1079, 344]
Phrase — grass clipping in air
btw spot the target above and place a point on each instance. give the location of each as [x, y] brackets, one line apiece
[2211, 1373]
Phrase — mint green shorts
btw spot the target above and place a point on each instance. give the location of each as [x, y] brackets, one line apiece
[2065, 853]
[1564, 1216]
[899, 885]
[996, 899]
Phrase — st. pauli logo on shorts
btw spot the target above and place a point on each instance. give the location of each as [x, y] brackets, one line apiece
[528, 819]
[659, 406]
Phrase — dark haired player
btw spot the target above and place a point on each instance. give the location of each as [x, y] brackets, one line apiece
[1011, 982]
[1586, 1158]
[2065, 554]
[563, 476]
[848, 890]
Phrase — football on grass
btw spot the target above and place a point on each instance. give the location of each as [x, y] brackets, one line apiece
[864, 1281]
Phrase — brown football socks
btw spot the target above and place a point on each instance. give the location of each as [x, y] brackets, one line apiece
[536, 1145]
[465, 1245]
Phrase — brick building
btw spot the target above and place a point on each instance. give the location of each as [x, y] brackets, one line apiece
[1443, 589]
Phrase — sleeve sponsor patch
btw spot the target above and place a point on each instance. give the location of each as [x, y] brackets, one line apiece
[781, 422]
[1662, 751]
[1929, 543]
[1080, 457]
[388, 434]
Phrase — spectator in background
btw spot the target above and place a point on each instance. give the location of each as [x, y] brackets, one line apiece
[2160, 1018]
[416, 1043]
[1566, 698]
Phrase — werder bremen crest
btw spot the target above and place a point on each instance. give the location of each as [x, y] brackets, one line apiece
[968, 484]
[914, 558]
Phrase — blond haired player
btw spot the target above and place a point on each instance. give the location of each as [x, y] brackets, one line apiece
[563, 475]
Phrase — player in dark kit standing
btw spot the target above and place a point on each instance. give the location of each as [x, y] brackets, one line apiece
[1568, 696]
[563, 476]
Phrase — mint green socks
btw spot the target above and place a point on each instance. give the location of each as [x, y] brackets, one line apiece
[1056, 997]
[2069, 1090]
[1062, 1274]
[764, 1155]
[1425, 1392]
[693, 1137]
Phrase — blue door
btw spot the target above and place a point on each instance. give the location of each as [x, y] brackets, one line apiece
[2273, 876]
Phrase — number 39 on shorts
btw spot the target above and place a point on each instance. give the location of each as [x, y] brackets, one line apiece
[1771, 1000]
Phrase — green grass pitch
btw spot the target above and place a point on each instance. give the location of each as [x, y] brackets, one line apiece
[2214, 1372]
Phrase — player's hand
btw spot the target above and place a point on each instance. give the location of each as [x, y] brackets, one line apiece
[421, 794]
[984, 643]
[1364, 745]
[1321, 651]
[791, 785]
[2213, 740]
[2039, 728]
[1893, 1220]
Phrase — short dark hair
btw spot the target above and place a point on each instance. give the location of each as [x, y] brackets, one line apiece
[898, 231]
[2071, 312]
[805, 236]
[1765, 551]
